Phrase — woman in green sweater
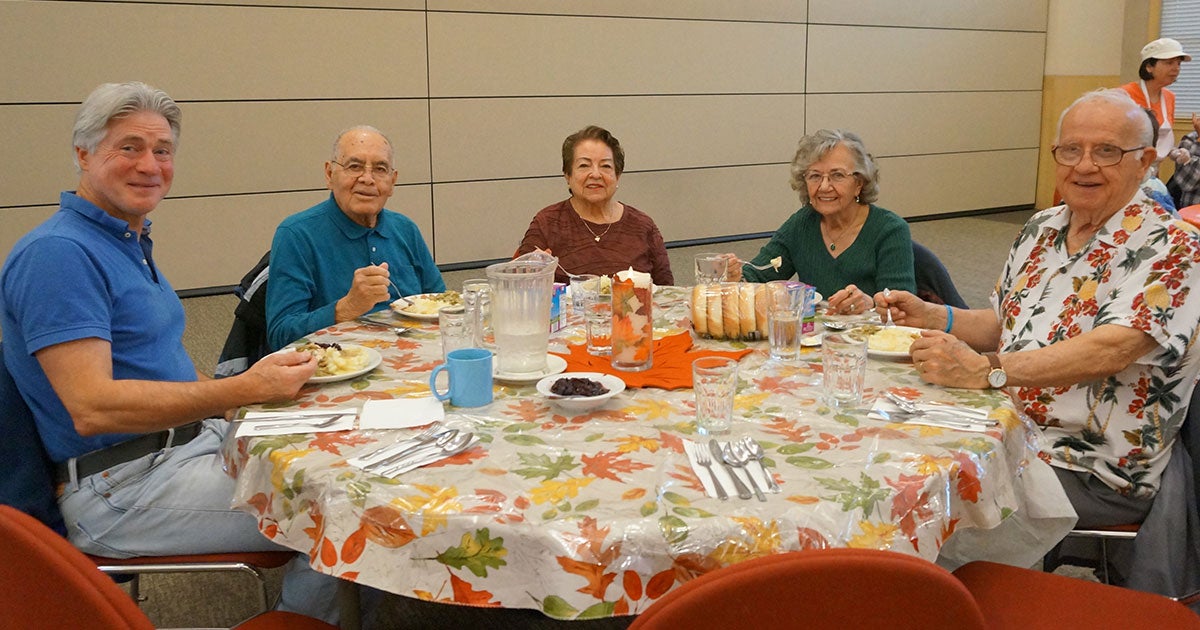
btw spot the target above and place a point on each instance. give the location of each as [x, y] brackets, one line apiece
[839, 242]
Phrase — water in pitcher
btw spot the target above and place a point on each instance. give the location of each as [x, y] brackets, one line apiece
[520, 296]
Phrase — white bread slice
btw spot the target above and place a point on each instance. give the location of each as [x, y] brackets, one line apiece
[716, 323]
[746, 310]
[730, 310]
[760, 309]
[700, 309]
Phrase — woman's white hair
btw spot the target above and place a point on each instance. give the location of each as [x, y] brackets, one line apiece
[813, 147]
[117, 100]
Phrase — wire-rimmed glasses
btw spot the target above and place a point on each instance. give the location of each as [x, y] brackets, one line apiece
[1102, 154]
[837, 178]
[378, 170]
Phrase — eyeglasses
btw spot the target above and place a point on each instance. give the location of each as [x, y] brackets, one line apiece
[1102, 154]
[378, 170]
[813, 178]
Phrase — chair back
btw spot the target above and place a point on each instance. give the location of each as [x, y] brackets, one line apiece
[827, 588]
[28, 480]
[933, 279]
[247, 339]
[47, 583]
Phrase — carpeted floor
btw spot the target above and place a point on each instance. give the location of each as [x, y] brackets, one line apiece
[972, 248]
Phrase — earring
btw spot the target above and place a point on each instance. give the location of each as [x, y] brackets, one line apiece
[857, 199]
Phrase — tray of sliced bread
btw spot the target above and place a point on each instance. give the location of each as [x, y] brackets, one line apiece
[730, 310]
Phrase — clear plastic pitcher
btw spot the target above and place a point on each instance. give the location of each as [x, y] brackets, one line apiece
[521, 293]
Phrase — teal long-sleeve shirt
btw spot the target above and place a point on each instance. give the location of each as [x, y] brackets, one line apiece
[880, 257]
[313, 258]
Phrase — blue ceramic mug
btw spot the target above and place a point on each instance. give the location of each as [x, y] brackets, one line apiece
[470, 374]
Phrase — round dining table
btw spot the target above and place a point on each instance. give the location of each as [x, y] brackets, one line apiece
[600, 514]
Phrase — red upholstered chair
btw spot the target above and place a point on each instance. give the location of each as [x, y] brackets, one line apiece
[1191, 214]
[828, 588]
[1012, 597]
[45, 582]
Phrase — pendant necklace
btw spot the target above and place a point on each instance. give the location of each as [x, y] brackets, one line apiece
[834, 241]
[595, 236]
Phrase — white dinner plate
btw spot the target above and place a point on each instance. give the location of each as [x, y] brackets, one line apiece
[892, 354]
[425, 317]
[554, 365]
[373, 361]
[581, 404]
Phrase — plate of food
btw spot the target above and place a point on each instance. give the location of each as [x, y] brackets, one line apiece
[340, 361]
[424, 306]
[887, 342]
[554, 365]
[580, 392]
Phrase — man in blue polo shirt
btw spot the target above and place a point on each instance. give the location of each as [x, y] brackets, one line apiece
[347, 255]
[93, 339]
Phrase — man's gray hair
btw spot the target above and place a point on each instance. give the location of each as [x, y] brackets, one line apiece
[342, 133]
[813, 147]
[1115, 96]
[118, 100]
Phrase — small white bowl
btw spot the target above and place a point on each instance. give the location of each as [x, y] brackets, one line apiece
[581, 404]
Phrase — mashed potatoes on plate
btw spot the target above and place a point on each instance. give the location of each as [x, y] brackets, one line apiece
[890, 339]
[429, 303]
[334, 359]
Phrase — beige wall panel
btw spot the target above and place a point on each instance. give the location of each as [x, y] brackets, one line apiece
[866, 59]
[239, 147]
[39, 164]
[777, 10]
[921, 186]
[412, 5]
[906, 124]
[251, 147]
[210, 242]
[1094, 50]
[209, 52]
[475, 55]
[16, 222]
[656, 132]
[485, 220]
[1027, 15]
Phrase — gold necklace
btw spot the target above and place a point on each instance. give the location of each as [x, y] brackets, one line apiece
[595, 236]
[834, 241]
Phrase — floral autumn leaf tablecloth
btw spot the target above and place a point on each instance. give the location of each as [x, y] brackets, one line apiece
[599, 514]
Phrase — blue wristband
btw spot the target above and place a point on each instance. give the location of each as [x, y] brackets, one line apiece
[949, 318]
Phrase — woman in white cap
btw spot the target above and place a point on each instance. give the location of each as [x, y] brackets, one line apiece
[1160, 67]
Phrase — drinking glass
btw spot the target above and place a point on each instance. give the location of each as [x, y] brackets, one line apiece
[715, 381]
[455, 328]
[711, 268]
[477, 298]
[786, 301]
[598, 320]
[583, 286]
[844, 368]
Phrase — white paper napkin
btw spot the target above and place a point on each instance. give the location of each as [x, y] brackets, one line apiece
[260, 422]
[952, 418]
[400, 413]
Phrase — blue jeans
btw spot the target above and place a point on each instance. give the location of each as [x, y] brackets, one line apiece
[178, 501]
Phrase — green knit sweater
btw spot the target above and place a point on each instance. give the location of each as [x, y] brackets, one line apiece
[880, 257]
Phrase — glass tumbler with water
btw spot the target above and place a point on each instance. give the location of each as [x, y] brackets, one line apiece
[785, 317]
[715, 381]
[844, 368]
[477, 299]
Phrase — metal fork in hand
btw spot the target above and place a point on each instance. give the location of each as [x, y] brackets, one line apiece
[746, 263]
[705, 460]
[887, 293]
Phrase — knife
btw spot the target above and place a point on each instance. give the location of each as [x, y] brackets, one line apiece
[715, 449]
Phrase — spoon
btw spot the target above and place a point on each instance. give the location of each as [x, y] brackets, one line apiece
[397, 458]
[756, 451]
[735, 454]
[440, 449]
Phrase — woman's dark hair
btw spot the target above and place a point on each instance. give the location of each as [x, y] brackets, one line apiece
[592, 132]
[1144, 69]
[1153, 125]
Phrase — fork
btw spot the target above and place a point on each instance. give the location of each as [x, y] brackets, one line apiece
[297, 421]
[418, 439]
[703, 458]
[746, 263]
[399, 330]
[887, 293]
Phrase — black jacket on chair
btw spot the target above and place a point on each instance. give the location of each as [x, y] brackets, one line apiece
[247, 340]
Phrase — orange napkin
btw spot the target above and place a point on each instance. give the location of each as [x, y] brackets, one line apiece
[671, 369]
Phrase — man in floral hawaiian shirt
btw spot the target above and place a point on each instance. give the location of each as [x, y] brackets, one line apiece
[1093, 318]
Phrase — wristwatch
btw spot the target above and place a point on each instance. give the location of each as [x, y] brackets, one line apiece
[997, 377]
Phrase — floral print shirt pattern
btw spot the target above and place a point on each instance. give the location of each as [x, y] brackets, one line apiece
[1139, 271]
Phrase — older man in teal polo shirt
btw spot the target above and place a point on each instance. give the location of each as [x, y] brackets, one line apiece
[348, 255]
